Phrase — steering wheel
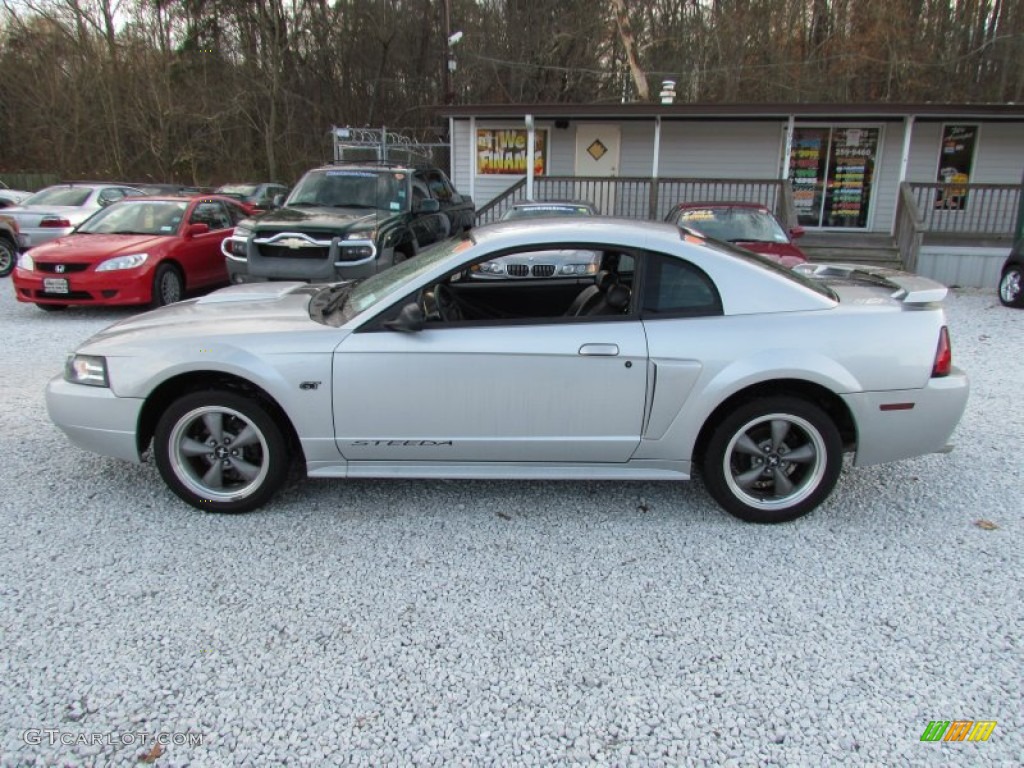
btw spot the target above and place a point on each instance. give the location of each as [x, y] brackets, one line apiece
[448, 307]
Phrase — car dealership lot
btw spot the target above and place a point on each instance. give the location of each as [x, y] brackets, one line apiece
[514, 623]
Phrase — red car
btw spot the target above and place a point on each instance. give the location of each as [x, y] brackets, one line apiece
[147, 250]
[748, 225]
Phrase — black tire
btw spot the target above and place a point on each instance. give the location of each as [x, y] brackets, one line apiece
[749, 466]
[1011, 287]
[248, 459]
[168, 286]
[52, 307]
[8, 256]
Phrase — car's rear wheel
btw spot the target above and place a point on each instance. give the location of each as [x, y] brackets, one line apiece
[221, 451]
[1011, 287]
[168, 286]
[773, 460]
[8, 256]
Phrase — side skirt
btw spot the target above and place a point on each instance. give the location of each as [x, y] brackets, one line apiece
[647, 469]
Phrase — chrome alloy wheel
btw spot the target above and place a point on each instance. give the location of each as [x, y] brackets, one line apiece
[1010, 287]
[775, 461]
[218, 453]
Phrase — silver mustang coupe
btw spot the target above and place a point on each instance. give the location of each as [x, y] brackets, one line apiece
[680, 354]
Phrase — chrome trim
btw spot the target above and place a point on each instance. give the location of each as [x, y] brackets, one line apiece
[292, 236]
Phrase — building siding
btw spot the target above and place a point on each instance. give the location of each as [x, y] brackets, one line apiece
[749, 149]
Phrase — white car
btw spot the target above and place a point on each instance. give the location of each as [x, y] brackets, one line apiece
[55, 211]
[680, 354]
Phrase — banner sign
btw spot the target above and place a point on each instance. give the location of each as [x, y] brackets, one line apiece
[503, 151]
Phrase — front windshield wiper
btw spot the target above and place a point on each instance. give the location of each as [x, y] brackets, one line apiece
[352, 205]
[337, 296]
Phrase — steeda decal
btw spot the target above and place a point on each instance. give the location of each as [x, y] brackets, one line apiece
[399, 443]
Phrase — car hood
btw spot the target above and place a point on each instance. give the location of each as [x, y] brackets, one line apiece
[88, 248]
[282, 219]
[238, 315]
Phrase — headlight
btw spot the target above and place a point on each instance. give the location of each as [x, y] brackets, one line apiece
[242, 233]
[123, 262]
[492, 268]
[370, 235]
[25, 262]
[86, 369]
[579, 269]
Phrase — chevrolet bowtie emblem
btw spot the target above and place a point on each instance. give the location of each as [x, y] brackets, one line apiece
[292, 242]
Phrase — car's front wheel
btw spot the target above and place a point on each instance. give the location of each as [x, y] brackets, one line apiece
[773, 460]
[8, 256]
[221, 451]
[1011, 287]
[168, 286]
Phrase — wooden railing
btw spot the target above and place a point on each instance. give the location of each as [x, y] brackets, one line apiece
[909, 229]
[646, 198]
[988, 210]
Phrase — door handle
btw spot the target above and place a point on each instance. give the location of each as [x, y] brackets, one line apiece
[599, 350]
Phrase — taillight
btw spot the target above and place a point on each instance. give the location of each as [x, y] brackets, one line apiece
[943, 355]
[54, 221]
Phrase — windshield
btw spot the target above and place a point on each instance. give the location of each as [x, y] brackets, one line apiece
[368, 292]
[383, 190]
[734, 224]
[136, 218]
[72, 196]
[537, 211]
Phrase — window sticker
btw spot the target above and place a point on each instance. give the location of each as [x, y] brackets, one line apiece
[359, 174]
[395, 206]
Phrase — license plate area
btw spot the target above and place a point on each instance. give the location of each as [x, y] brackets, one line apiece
[56, 285]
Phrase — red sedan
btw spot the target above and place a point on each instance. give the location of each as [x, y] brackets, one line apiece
[147, 250]
[748, 225]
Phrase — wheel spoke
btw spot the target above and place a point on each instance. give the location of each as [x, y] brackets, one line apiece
[780, 428]
[192, 447]
[805, 454]
[247, 436]
[244, 468]
[214, 477]
[748, 478]
[748, 446]
[214, 421]
[783, 485]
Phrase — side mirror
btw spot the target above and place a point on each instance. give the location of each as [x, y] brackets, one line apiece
[427, 206]
[277, 202]
[196, 229]
[409, 320]
[796, 232]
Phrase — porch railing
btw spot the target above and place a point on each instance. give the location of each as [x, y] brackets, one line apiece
[962, 212]
[909, 228]
[968, 209]
[646, 198]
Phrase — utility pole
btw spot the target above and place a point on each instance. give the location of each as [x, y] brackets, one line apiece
[449, 57]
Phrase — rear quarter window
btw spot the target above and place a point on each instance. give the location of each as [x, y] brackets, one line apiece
[677, 288]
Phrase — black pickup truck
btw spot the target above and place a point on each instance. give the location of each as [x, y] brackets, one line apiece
[348, 220]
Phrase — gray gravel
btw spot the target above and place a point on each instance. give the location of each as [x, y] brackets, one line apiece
[501, 623]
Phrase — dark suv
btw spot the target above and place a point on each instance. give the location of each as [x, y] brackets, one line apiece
[348, 220]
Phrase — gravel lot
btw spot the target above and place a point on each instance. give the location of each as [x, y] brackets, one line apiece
[493, 623]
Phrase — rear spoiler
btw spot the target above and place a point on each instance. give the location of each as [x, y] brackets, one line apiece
[908, 288]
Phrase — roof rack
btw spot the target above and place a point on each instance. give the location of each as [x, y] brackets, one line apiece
[379, 145]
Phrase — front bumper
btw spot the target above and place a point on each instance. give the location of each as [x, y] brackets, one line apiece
[127, 287]
[900, 424]
[327, 266]
[95, 419]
